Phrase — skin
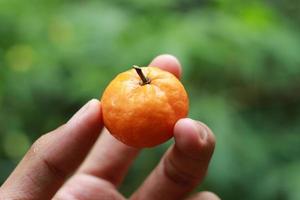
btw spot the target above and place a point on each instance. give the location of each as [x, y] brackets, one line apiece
[81, 160]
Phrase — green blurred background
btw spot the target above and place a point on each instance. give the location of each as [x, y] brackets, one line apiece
[241, 63]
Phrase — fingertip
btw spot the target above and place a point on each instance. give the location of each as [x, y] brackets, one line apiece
[87, 116]
[94, 101]
[185, 131]
[169, 63]
[95, 106]
[206, 195]
[192, 136]
[187, 136]
[95, 110]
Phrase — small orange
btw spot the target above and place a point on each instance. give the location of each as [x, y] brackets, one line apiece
[141, 106]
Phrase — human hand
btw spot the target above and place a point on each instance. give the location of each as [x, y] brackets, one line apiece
[60, 165]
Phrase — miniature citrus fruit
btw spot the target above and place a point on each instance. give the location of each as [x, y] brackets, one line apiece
[141, 106]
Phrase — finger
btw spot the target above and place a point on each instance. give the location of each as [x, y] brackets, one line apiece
[204, 196]
[109, 158]
[87, 187]
[167, 62]
[54, 156]
[183, 166]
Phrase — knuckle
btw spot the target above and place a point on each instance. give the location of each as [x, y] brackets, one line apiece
[42, 156]
[179, 175]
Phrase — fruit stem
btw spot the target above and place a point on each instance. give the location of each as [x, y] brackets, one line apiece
[139, 71]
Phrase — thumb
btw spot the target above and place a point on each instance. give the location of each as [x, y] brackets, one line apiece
[54, 156]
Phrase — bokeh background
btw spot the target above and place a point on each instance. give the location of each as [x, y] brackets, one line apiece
[241, 62]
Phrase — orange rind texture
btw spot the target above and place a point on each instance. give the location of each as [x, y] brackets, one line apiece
[144, 115]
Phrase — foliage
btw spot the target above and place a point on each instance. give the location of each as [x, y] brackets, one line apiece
[241, 69]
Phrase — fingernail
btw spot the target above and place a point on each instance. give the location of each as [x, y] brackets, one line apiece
[201, 130]
[81, 111]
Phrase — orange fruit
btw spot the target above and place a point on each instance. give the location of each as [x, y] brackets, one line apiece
[141, 106]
